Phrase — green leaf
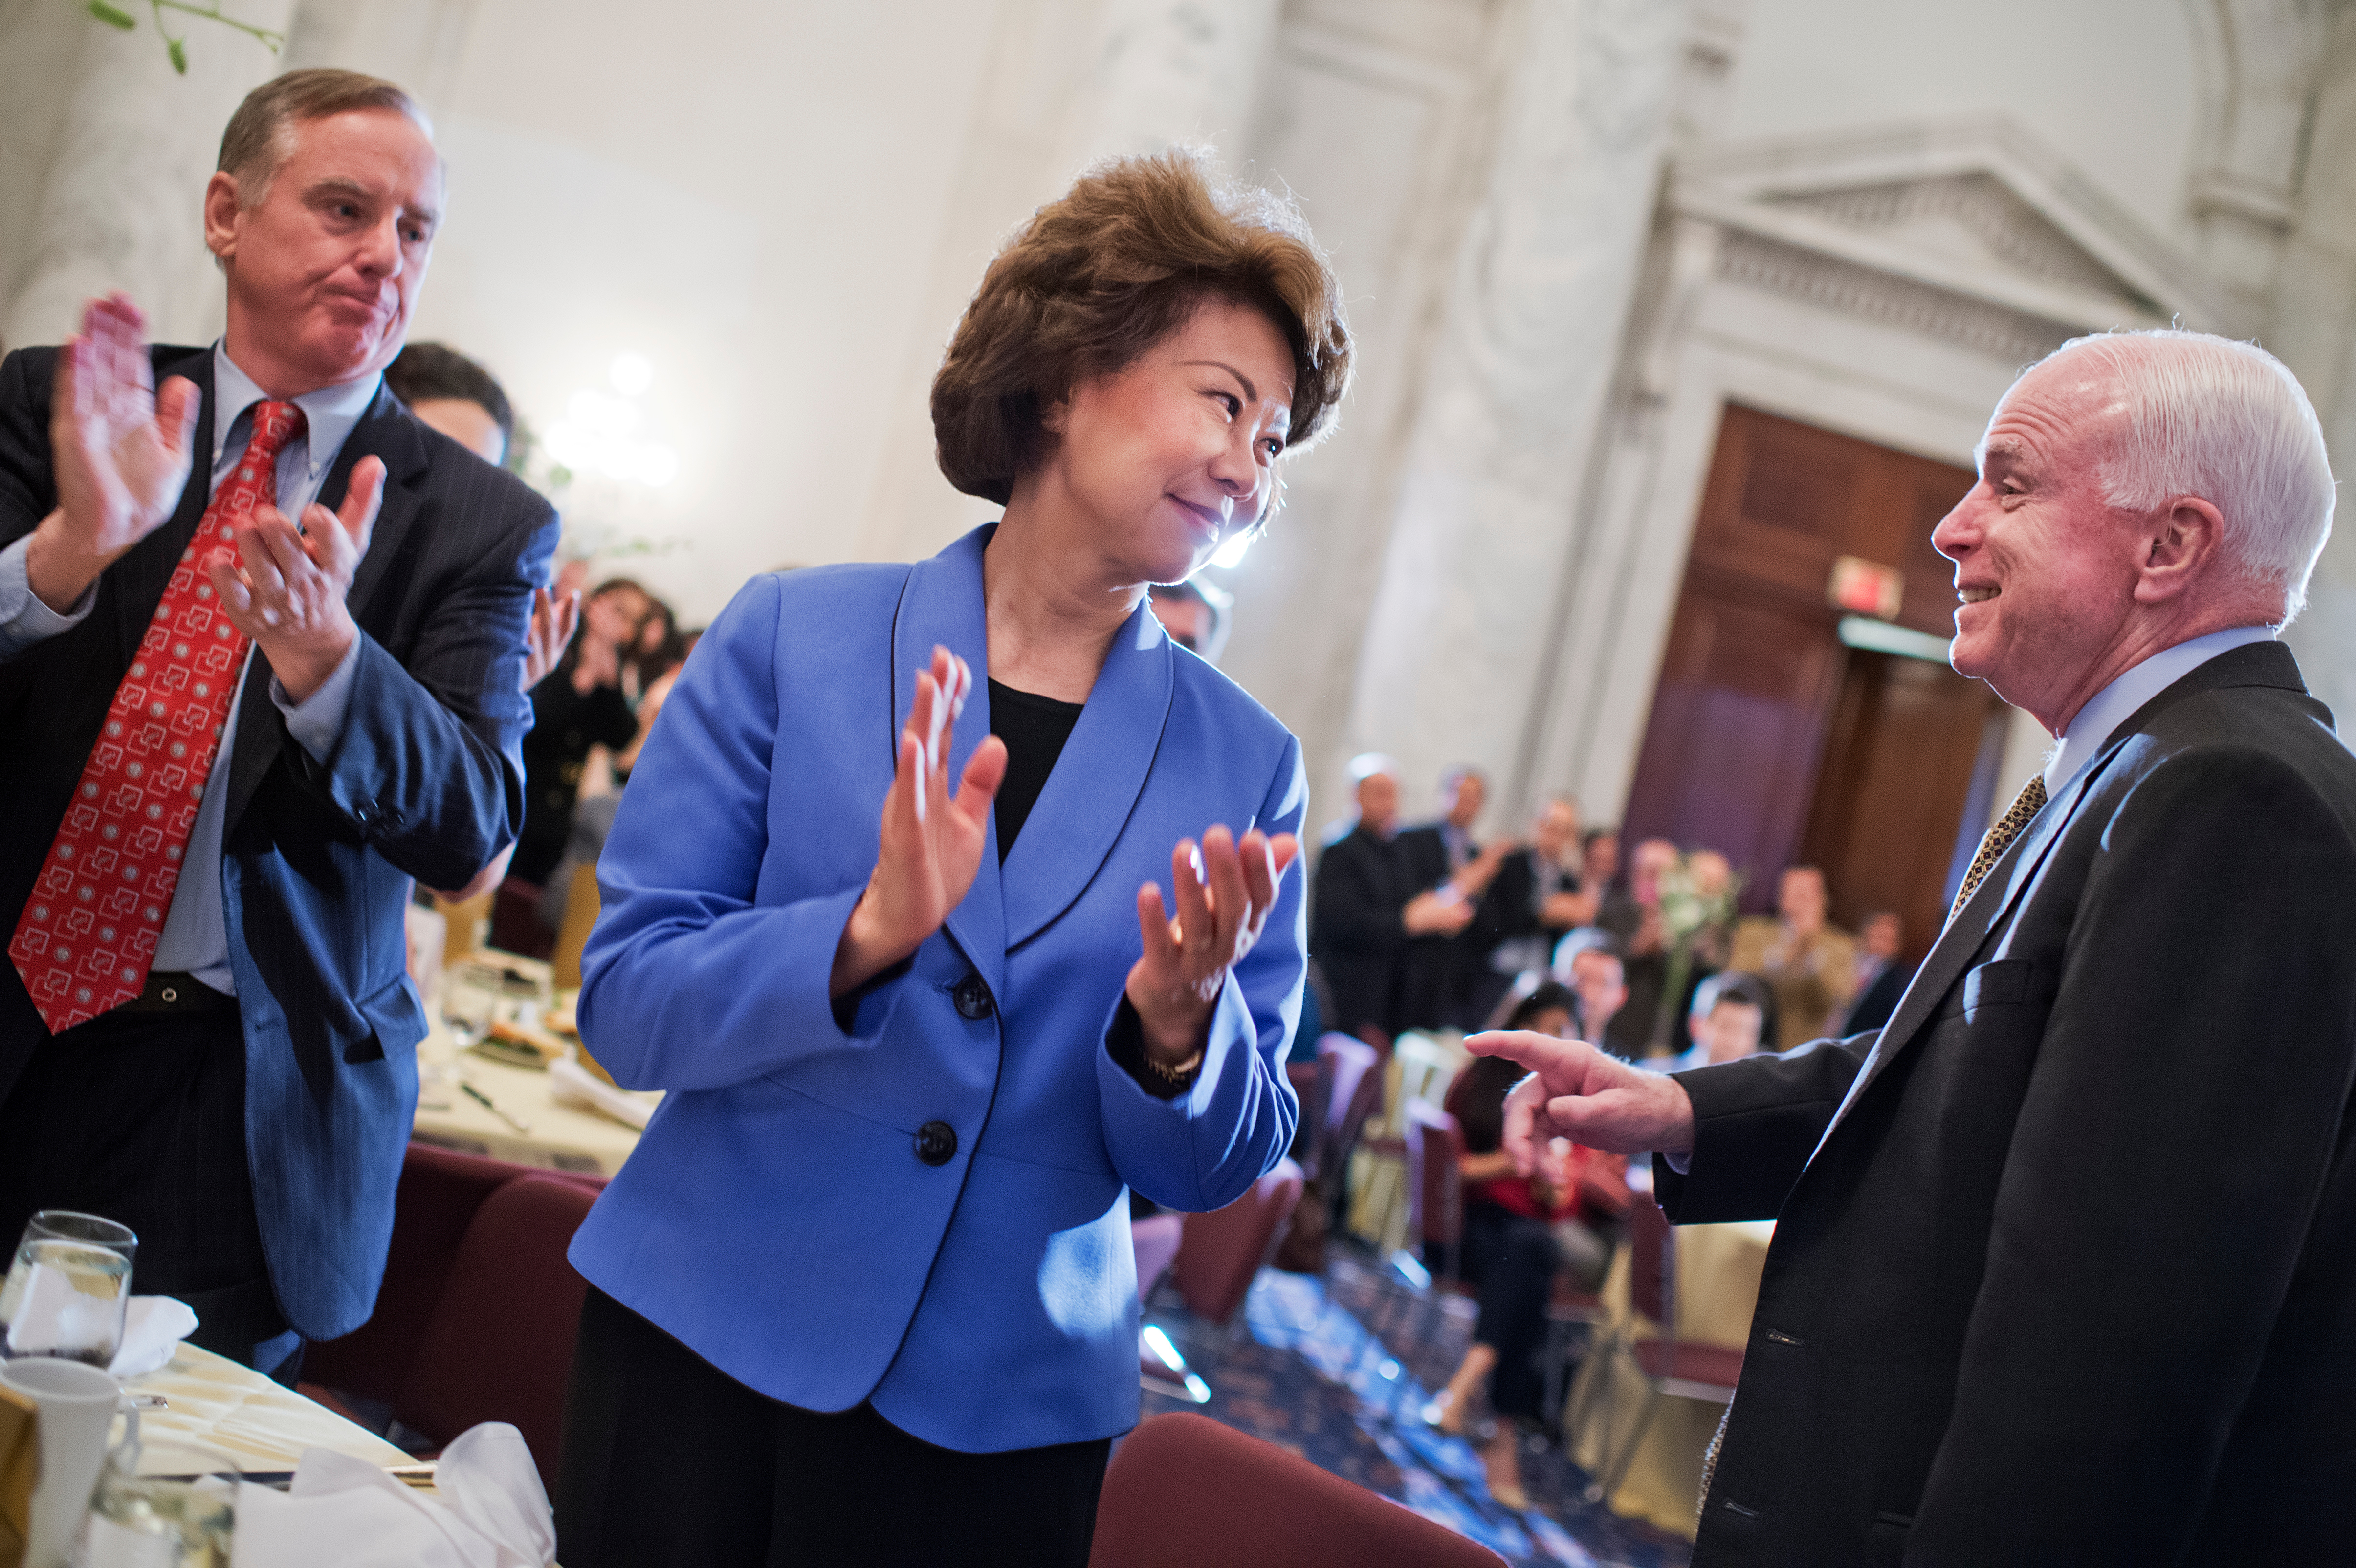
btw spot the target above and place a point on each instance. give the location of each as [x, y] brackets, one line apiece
[180, 53]
[111, 17]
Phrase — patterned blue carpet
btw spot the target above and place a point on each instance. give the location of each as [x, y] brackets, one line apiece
[1336, 1369]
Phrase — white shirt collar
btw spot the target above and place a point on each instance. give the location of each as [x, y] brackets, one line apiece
[2117, 702]
[329, 414]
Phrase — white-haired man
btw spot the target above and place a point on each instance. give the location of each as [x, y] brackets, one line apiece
[2064, 1267]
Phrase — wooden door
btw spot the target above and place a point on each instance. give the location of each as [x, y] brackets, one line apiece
[1769, 740]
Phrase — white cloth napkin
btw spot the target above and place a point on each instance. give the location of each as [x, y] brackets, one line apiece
[152, 1327]
[492, 1512]
[569, 1084]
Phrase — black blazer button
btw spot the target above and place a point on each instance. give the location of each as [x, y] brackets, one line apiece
[935, 1143]
[972, 998]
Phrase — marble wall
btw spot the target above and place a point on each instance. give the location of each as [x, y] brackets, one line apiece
[1568, 229]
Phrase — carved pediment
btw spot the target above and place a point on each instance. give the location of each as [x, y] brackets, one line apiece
[1969, 230]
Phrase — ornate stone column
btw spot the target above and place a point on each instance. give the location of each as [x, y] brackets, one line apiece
[1508, 427]
[122, 204]
[1168, 71]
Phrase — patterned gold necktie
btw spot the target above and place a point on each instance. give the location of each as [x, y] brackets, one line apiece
[2024, 810]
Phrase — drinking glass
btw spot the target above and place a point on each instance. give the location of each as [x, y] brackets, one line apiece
[470, 1000]
[68, 1288]
[161, 1504]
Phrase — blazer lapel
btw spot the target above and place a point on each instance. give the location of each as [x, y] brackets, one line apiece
[1095, 782]
[941, 606]
[2254, 663]
[386, 432]
[1989, 903]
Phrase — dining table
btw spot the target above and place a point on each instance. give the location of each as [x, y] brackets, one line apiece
[262, 1425]
[1718, 1272]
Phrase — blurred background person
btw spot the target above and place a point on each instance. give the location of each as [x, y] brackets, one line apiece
[580, 704]
[1881, 971]
[1517, 1230]
[1538, 893]
[1809, 965]
[1727, 1022]
[1196, 614]
[1588, 961]
[1444, 859]
[1366, 907]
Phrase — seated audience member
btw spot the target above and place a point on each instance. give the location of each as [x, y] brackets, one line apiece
[1517, 1230]
[1727, 1022]
[1598, 866]
[1195, 615]
[1364, 907]
[1811, 965]
[1538, 893]
[580, 705]
[1588, 962]
[1881, 974]
[1442, 857]
[1633, 917]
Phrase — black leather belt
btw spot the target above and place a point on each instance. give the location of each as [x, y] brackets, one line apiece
[172, 991]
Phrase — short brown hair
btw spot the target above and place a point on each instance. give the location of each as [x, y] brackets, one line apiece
[1098, 277]
[256, 141]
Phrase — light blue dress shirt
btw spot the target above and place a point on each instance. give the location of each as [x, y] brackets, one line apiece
[196, 934]
[2117, 702]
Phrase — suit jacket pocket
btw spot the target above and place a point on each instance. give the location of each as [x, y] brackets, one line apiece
[2006, 983]
[396, 1021]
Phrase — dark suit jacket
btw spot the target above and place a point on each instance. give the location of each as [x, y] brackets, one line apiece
[1362, 883]
[426, 780]
[2070, 1277]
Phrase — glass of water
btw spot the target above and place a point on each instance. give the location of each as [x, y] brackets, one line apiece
[162, 1503]
[470, 1000]
[68, 1288]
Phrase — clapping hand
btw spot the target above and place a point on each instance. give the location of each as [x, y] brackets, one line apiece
[285, 586]
[1578, 1093]
[1225, 891]
[121, 449]
[554, 618]
[932, 840]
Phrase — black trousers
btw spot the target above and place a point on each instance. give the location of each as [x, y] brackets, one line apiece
[670, 1463]
[140, 1117]
[1511, 1258]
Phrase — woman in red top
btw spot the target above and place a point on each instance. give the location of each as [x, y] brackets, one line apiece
[1517, 1230]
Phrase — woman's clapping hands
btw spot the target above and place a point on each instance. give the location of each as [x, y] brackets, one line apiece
[932, 840]
[1225, 891]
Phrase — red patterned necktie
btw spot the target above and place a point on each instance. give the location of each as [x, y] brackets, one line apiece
[88, 935]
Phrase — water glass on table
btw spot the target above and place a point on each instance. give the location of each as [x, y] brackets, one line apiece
[68, 1288]
[161, 1505]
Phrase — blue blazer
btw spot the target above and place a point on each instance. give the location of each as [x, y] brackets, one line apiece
[425, 780]
[777, 1217]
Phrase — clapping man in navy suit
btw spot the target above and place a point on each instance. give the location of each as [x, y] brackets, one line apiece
[261, 640]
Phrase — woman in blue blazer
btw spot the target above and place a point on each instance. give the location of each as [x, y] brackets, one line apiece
[864, 1293]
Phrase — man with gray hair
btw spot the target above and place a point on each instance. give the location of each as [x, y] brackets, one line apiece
[261, 635]
[2064, 1268]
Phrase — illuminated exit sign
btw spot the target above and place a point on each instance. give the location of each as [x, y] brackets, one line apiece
[1865, 588]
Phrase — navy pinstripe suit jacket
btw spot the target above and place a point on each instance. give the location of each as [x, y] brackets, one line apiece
[426, 780]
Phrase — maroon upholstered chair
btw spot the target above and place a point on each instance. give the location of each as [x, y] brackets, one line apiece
[1682, 1368]
[499, 1344]
[1358, 1089]
[1155, 1241]
[1313, 1082]
[1219, 1253]
[438, 1196]
[515, 921]
[478, 1310]
[1435, 1187]
[1184, 1491]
